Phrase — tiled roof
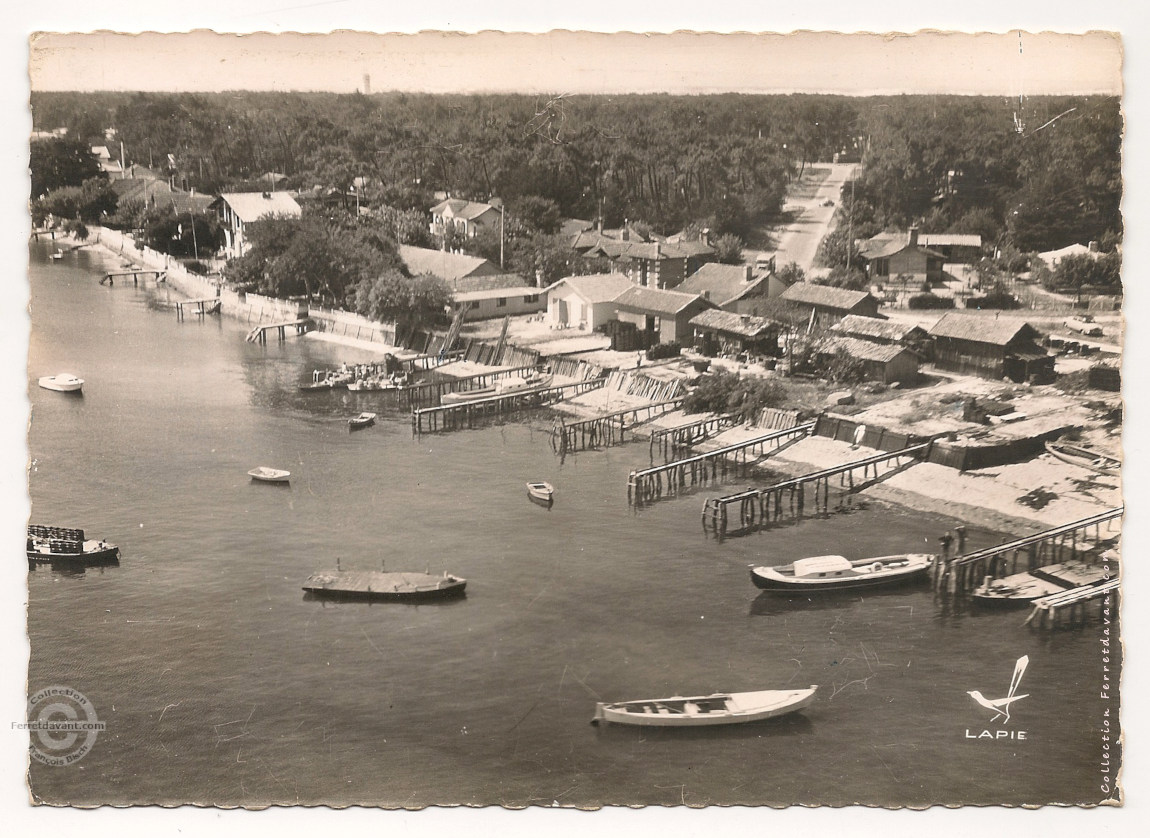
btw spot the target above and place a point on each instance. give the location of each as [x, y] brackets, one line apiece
[872, 327]
[808, 293]
[488, 282]
[595, 288]
[447, 266]
[982, 328]
[950, 240]
[724, 283]
[249, 206]
[461, 209]
[888, 244]
[865, 349]
[736, 324]
[495, 292]
[640, 299]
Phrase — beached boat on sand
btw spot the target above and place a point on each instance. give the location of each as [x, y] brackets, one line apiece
[1085, 457]
[269, 475]
[541, 492]
[67, 544]
[380, 585]
[834, 573]
[362, 421]
[704, 710]
[65, 382]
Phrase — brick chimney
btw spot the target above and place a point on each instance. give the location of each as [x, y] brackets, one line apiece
[1093, 246]
[748, 272]
[913, 236]
[705, 236]
[625, 233]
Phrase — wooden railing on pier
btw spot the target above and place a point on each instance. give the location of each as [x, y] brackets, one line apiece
[669, 441]
[762, 505]
[647, 485]
[1072, 607]
[606, 430]
[260, 333]
[135, 274]
[429, 393]
[449, 417]
[1066, 542]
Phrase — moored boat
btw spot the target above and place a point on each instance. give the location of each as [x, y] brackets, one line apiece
[269, 475]
[1023, 588]
[541, 491]
[381, 585]
[67, 544]
[65, 382]
[705, 710]
[832, 573]
[1085, 457]
[362, 421]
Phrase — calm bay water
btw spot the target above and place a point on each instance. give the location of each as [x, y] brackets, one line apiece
[220, 682]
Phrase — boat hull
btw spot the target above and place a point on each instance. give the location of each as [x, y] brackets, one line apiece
[1084, 458]
[677, 712]
[263, 475]
[364, 421]
[384, 587]
[543, 493]
[106, 554]
[62, 383]
[770, 579]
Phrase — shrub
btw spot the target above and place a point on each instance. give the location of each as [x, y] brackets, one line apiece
[726, 392]
[994, 301]
[664, 350]
[925, 301]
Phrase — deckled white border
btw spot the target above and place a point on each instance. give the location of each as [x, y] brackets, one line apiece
[595, 15]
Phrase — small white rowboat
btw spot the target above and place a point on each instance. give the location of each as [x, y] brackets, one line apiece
[703, 710]
[269, 475]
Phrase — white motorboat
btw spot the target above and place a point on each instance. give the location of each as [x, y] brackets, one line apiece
[832, 573]
[64, 383]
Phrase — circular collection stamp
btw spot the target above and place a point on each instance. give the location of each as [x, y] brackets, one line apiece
[62, 724]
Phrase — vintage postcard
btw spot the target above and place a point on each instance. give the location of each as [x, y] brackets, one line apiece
[575, 421]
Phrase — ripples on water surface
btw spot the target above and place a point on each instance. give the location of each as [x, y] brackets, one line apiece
[220, 682]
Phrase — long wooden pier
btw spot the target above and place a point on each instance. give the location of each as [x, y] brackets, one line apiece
[669, 441]
[606, 430]
[429, 393]
[260, 333]
[647, 485]
[449, 417]
[762, 505]
[1066, 542]
[135, 274]
[201, 306]
[1072, 607]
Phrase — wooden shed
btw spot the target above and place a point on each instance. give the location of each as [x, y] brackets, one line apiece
[991, 347]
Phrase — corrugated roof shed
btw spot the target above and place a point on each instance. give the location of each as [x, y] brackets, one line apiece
[250, 206]
[641, 300]
[595, 288]
[872, 327]
[470, 284]
[823, 295]
[982, 329]
[445, 265]
[744, 325]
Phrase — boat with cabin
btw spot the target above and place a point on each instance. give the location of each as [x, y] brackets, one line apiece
[383, 585]
[705, 710]
[65, 382]
[269, 475]
[835, 573]
[68, 544]
[364, 420]
[1080, 455]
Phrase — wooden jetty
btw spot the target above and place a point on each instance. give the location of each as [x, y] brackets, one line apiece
[50, 233]
[449, 417]
[1072, 608]
[135, 274]
[260, 333]
[1067, 542]
[669, 441]
[647, 485]
[762, 505]
[200, 307]
[606, 430]
[429, 393]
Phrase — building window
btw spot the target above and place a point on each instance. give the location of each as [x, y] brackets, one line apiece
[501, 302]
[473, 305]
[531, 298]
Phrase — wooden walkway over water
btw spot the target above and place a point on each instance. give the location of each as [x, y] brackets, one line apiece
[135, 274]
[669, 441]
[200, 307]
[1072, 608]
[606, 430]
[450, 417]
[1066, 542]
[763, 505]
[298, 326]
[647, 485]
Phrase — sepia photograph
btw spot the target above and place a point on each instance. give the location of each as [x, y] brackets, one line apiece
[571, 420]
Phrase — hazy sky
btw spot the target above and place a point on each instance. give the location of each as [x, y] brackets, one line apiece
[570, 62]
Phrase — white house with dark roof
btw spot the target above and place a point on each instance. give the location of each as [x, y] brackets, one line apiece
[466, 217]
[238, 209]
[584, 302]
